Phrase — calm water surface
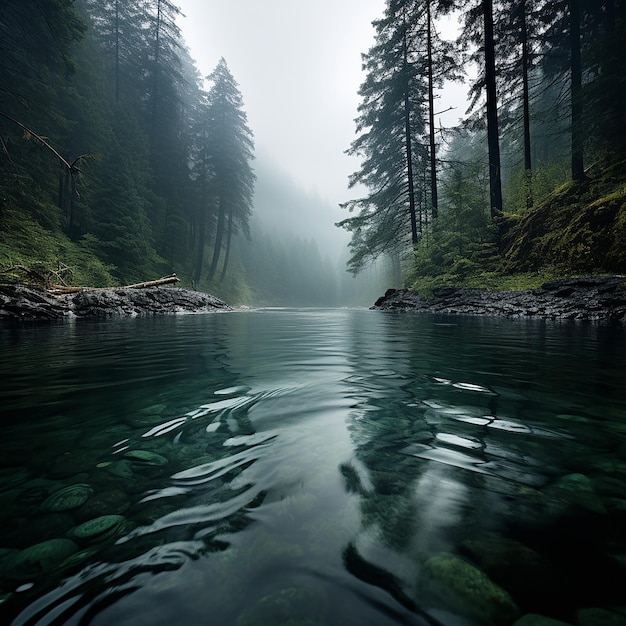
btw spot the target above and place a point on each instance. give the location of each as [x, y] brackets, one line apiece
[312, 467]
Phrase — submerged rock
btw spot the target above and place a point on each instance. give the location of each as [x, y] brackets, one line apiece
[468, 591]
[516, 567]
[67, 498]
[39, 559]
[145, 457]
[572, 493]
[99, 529]
[532, 619]
[596, 298]
[601, 617]
[29, 303]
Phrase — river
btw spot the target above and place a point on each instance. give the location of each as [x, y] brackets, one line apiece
[312, 467]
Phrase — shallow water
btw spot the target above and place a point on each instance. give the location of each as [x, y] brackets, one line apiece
[312, 467]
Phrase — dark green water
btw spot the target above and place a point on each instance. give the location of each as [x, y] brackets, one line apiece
[312, 467]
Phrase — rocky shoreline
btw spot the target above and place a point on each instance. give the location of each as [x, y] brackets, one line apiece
[594, 298]
[20, 302]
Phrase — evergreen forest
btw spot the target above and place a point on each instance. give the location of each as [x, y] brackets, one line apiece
[531, 184]
[120, 162]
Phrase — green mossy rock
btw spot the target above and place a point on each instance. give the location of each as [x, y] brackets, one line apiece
[533, 619]
[600, 617]
[514, 566]
[580, 228]
[145, 457]
[38, 560]
[67, 498]
[572, 493]
[468, 591]
[99, 529]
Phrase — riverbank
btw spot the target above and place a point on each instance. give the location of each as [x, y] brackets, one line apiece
[595, 298]
[21, 302]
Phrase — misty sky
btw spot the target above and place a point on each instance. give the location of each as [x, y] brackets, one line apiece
[298, 65]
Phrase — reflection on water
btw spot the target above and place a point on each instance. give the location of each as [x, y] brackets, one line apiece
[312, 467]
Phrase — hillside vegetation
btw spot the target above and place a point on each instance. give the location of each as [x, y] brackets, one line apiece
[579, 229]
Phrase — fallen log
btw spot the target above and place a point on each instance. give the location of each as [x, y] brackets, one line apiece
[165, 280]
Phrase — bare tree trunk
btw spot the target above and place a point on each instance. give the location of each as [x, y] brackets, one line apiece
[229, 234]
[117, 50]
[431, 118]
[219, 235]
[408, 144]
[528, 172]
[578, 169]
[202, 226]
[493, 139]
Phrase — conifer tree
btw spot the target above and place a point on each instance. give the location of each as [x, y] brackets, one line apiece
[479, 33]
[227, 154]
[391, 141]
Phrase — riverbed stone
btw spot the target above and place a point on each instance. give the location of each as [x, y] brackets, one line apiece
[145, 457]
[601, 617]
[572, 493]
[38, 560]
[514, 566]
[469, 591]
[594, 298]
[67, 498]
[533, 619]
[31, 303]
[110, 500]
[99, 529]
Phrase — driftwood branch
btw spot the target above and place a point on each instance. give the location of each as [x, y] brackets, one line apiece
[166, 280]
[41, 275]
[28, 133]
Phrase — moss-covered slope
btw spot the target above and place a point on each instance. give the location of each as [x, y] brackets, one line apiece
[579, 229]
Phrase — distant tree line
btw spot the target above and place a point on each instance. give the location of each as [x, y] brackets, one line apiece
[548, 97]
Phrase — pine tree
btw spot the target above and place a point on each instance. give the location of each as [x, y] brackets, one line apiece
[479, 32]
[391, 141]
[120, 27]
[227, 153]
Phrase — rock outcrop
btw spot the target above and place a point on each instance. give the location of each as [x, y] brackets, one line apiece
[596, 298]
[29, 303]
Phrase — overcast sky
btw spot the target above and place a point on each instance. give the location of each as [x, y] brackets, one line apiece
[298, 65]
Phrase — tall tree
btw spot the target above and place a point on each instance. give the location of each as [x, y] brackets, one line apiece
[120, 27]
[605, 88]
[36, 62]
[576, 87]
[493, 134]
[229, 152]
[518, 30]
[566, 42]
[479, 32]
[391, 139]
[442, 63]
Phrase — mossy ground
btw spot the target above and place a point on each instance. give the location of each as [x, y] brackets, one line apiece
[579, 230]
[26, 242]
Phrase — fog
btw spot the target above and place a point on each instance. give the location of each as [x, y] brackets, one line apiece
[298, 65]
